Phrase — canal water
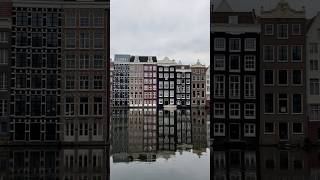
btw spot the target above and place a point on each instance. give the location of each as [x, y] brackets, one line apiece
[158, 145]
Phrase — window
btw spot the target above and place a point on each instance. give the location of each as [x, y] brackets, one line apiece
[219, 62]
[268, 77]
[268, 29]
[22, 19]
[268, 103]
[313, 48]
[70, 39]
[3, 56]
[268, 54]
[36, 60]
[233, 20]
[98, 61]
[52, 60]
[84, 82]
[282, 31]
[4, 37]
[70, 61]
[296, 53]
[219, 110]
[249, 130]
[219, 44]
[283, 53]
[84, 61]
[219, 129]
[314, 86]
[70, 82]
[51, 103]
[314, 65]
[70, 19]
[234, 89]
[219, 85]
[296, 77]
[98, 19]
[296, 30]
[268, 128]
[98, 39]
[296, 103]
[297, 128]
[234, 45]
[283, 103]
[249, 111]
[97, 106]
[234, 111]
[35, 105]
[249, 86]
[36, 81]
[250, 44]
[3, 107]
[52, 39]
[84, 18]
[3, 81]
[84, 39]
[283, 77]
[21, 60]
[36, 40]
[69, 106]
[250, 63]
[315, 112]
[52, 19]
[234, 63]
[21, 39]
[97, 82]
[84, 106]
[21, 81]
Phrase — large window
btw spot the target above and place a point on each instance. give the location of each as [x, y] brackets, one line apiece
[84, 61]
[268, 54]
[296, 77]
[84, 82]
[250, 63]
[282, 31]
[283, 103]
[98, 19]
[234, 44]
[84, 106]
[22, 19]
[98, 39]
[36, 60]
[70, 19]
[249, 130]
[84, 18]
[52, 60]
[234, 110]
[35, 105]
[296, 53]
[219, 85]
[69, 106]
[219, 44]
[219, 110]
[97, 106]
[219, 62]
[70, 82]
[52, 39]
[97, 82]
[314, 86]
[52, 19]
[249, 86]
[283, 53]
[70, 39]
[84, 39]
[296, 103]
[268, 103]
[283, 77]
[268, 77]
[249, 111]
[36, 40]
[234, 89]
[98, 61]
[219, 129]
[234, 63]
[70, 61]
[51, 108]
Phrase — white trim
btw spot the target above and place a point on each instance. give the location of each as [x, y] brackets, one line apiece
[215, 43]
[230, 45]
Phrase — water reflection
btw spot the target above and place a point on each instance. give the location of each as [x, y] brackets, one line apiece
[142, 134]
[81, 163]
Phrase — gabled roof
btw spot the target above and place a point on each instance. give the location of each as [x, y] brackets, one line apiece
[283, 10]
[224, 6]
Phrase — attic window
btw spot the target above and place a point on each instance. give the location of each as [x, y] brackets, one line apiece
[233, 19]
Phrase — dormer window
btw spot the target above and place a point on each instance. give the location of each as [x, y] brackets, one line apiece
[233, 19]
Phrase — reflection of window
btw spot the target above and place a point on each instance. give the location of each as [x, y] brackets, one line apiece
[84, 61]
[315, 112]
[296, 77]
[268, 29]
[98, 19]
[249, 86]
[36, 60]
[97, 82]
[70, 19]
[22, 19]
[3, 107]
[70, 82]
[296, 30]
[283, 53]
[52, 39]
[21, 38]
[70, 61]
[3, 56]
[98, 39]
[98, 61]
[35, 105]
[268, 53]
[314, 65]
[84, 18]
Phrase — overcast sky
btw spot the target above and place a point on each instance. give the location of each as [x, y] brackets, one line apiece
[178, 29]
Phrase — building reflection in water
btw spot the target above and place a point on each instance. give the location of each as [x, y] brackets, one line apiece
[265, 163]
[145, 134]
[87, 163]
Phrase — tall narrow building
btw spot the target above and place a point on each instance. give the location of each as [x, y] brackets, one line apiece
[198, 84]
[235, 56]
[84, 62]
[5, 51]
[283, 59]
[183, 86]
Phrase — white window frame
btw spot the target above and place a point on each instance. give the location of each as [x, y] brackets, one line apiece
[249, 126]
[292, 28]
[216, 59]
[287, 33]
[234, 92]
[223, 108]
[248, 61]
[239, 59]
[221, 127]
[246, 110]
[251, 90]
[219, 86]
[216, 47]
[265, 29]
[234, 50]
[231, 109]
[301, 57]
[264, 49]
[246, 41]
